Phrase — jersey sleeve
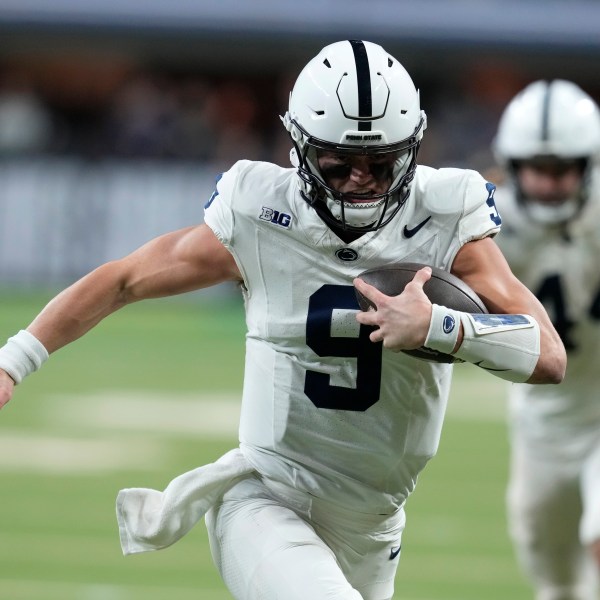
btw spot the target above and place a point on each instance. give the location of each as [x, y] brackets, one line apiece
[219, 213]
[480, 216]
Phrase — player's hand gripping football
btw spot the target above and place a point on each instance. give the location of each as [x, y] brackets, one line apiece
[402, 321]
[6, 387]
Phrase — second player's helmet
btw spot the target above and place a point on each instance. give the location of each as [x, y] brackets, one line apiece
[355, 98]
[554, 121]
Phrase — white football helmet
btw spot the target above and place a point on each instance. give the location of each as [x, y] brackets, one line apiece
[354, 98]
[553, 120]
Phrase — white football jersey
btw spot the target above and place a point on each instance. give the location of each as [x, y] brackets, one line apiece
[324, 409]
[559, 264]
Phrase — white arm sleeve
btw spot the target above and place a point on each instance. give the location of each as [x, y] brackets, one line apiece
[507, 346]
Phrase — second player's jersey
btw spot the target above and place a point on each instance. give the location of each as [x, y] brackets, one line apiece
[559, 264]
[324, 409]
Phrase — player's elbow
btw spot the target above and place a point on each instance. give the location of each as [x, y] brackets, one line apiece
[551, 366]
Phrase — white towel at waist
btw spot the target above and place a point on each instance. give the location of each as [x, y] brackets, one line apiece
[151, 520]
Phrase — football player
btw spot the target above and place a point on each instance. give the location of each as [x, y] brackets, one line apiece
[335, 426]
[548, 141]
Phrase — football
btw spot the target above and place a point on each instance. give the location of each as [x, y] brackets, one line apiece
[443, 288]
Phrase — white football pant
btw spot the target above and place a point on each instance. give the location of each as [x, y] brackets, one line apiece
[272, 542]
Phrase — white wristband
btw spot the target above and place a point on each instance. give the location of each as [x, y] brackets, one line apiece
[444, 328]
[22, 354]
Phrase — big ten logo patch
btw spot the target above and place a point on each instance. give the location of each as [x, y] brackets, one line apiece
[276, 217]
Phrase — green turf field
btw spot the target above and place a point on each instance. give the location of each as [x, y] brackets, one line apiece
[152, 392]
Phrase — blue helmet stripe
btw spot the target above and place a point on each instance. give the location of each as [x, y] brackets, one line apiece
[546, 114]
[363, 77]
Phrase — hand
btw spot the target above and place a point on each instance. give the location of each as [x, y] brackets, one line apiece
[7, 386]
[402, 321]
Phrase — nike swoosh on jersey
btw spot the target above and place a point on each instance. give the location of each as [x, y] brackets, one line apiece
[394, 552]
[410, 232]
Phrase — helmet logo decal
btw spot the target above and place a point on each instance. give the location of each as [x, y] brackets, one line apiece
[363, 79]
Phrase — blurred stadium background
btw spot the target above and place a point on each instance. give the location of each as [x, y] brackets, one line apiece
[115, 118]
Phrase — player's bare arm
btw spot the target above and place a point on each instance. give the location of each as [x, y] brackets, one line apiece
[178, 262]
[482, 265]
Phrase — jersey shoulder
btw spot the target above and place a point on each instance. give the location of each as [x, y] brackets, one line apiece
[247, 192]
[248, 181]
[460, 196]
[451, 190]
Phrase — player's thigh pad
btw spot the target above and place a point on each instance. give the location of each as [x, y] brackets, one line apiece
[267, 548]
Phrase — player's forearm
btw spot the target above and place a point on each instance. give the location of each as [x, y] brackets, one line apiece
[80, 307]
[67, 317]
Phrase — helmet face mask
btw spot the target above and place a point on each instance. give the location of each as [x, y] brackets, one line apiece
[548, 139]
[354, 101]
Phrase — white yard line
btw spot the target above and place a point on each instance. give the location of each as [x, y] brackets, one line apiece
[93, 416]
[91, 421]
[216, 415]
[29, 451]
